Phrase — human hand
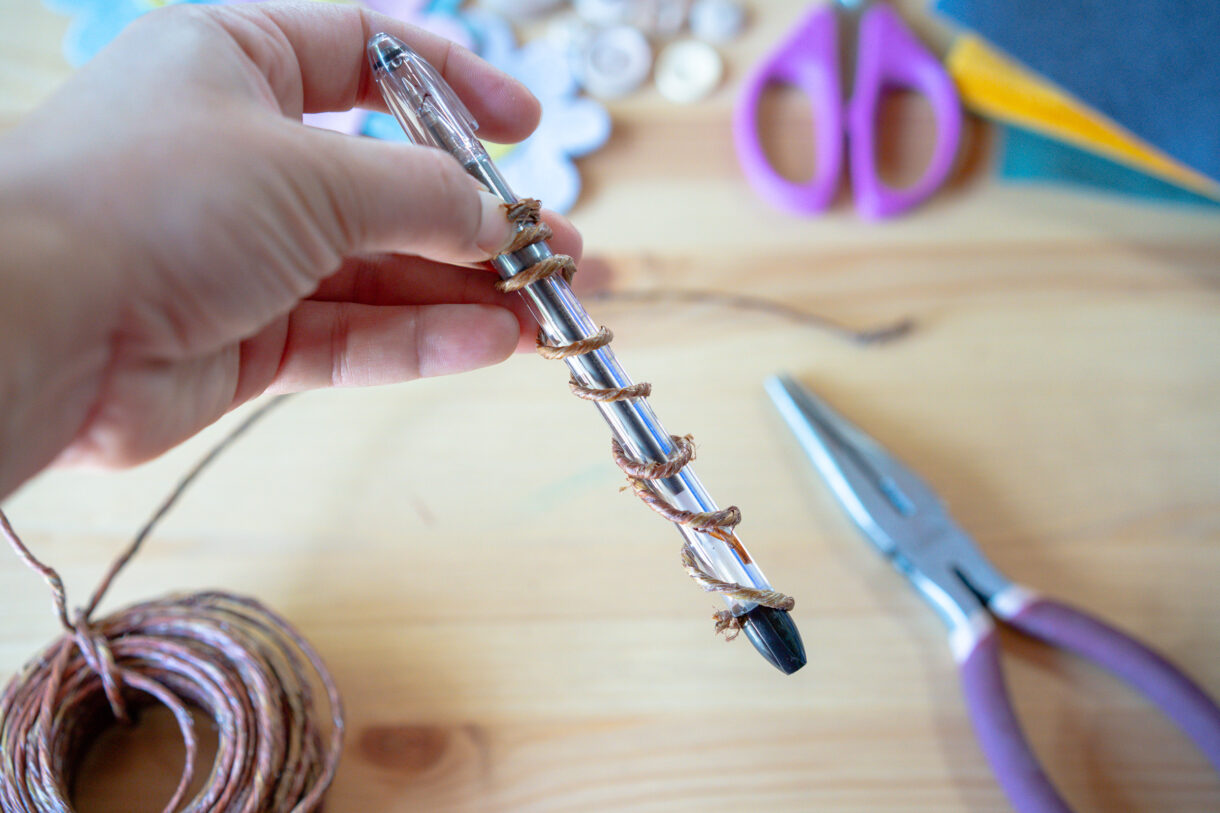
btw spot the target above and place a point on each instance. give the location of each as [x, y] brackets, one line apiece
[177, 242]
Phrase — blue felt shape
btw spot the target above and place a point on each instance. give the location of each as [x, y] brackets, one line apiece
[1028, 156]
[96, 22]
[1153, 66]
[571, 126]
[385, 127]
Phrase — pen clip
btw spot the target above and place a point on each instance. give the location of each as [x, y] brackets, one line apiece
[419, 97]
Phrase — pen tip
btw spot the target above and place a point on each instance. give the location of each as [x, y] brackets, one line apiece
[774, 634]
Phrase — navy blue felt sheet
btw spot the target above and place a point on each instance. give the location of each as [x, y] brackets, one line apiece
[1151, 65]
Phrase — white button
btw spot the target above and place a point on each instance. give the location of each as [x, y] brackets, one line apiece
[663, 18]
[569, 34]
[603, 12]
[717, 20]
[521, 9]
[615, 62]
[688, 70]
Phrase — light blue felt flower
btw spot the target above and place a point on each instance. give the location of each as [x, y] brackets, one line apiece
[541, 166]
[96, 22]
[571, 126]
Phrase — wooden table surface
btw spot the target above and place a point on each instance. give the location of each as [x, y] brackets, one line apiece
[510, 632]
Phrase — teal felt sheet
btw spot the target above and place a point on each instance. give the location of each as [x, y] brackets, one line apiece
[1027, 156]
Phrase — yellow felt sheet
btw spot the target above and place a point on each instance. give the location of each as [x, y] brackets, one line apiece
[999, 87]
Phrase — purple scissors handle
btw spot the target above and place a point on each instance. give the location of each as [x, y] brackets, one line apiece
[888, 56]
[995, 722]
[808, 60]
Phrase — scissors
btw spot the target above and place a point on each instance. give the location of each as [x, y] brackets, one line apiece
[908, 524]
[887, 55]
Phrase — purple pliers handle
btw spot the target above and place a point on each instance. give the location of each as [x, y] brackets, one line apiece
[995, 723]
[889, 55]
[903, 518]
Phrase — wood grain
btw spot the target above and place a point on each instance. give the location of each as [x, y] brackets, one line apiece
[511, 632]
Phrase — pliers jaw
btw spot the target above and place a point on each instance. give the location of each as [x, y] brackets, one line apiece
[899, 513]
[893, 507]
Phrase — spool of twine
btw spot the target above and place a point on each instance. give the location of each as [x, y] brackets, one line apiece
[230, 658]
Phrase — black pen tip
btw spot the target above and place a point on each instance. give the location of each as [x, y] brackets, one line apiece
[775, 636]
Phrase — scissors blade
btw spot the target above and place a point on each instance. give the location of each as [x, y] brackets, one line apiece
[891, 504]
[847, 24]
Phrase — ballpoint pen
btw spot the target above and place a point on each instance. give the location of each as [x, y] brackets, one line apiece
[432, 115]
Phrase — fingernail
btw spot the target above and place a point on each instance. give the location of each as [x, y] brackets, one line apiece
[495, 232]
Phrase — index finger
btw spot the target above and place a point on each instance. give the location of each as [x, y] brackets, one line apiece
[312, 55]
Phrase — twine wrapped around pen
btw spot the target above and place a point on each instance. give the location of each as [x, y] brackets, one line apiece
[526, 215]
[233, 659]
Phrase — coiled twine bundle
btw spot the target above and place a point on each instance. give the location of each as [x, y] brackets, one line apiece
[235, 660]
[231, 658]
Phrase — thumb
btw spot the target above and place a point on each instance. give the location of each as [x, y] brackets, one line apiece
[383, 196]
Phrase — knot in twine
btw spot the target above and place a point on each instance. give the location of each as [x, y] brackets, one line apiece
[236, 661]
[95, 649]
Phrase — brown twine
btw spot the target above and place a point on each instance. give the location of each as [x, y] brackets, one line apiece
[579, 347]
[526, 215]
[232, 658]
[880, 334]
[719, 524]
[640, 390]
[549, 266]
[684, 452]
[726, 622]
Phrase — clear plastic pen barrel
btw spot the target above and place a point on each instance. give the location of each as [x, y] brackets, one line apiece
[431, 114]
[633, 423]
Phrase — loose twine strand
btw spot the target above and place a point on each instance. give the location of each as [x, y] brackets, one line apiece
[238, 662]
[526, 215]
[877, 335]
